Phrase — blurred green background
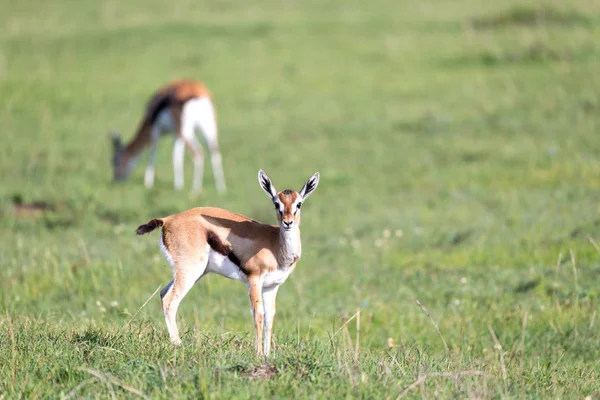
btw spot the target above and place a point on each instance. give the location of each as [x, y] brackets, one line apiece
[458, 149]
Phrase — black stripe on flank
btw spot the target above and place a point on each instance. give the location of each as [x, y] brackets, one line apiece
[217, 245]
[164, 101]
[215, 242]
[234, 259]
[156, 109]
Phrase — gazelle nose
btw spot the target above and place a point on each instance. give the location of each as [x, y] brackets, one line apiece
[288, 224]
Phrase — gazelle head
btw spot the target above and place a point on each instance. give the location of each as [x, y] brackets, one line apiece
[288, 202]
[120, 162]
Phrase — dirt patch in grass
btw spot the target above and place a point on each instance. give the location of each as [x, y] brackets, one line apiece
[29, 209]
[263, 371]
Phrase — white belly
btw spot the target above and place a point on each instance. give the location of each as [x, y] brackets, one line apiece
[164, 122]
[221, 265]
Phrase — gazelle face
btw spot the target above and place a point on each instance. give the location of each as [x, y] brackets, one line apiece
[287, 205]
[288, 202]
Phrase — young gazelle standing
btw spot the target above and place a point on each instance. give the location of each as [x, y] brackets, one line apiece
[205, 239]
[182, 107]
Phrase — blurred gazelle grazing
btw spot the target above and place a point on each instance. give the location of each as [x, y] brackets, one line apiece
[205, 239]
[182, 107]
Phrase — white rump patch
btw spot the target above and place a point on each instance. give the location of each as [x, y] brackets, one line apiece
[166, 253]
[199, 114]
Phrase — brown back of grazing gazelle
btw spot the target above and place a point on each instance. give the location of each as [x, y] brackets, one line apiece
[182, 107]
[206, 239]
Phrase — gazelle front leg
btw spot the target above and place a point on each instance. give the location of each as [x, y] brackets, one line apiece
[149, 173]
[269, 296]
[256, 304]
[178, 154]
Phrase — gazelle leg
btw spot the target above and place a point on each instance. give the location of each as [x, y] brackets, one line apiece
[208, 125]
[217, 166]
[149, 174]
[178, 153]
[188, 134]
[186, 274]
[172, 329]
[198, 158]
[256, 304]
[269, 295]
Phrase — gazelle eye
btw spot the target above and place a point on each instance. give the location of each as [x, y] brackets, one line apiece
[299, 205]
[276, 206]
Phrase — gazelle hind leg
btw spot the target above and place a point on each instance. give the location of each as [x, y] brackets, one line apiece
[170, 304]
[172, 329]
[173, 295]
[189, 118]
[186, 273]
[198, 159]
[207, 123]
[217, 167]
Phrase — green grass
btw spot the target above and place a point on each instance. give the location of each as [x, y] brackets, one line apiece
[459, 157]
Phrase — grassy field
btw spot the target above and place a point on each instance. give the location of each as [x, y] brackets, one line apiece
[459, 156]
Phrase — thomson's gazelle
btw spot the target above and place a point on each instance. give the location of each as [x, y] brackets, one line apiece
[205, 239]
[182, 107]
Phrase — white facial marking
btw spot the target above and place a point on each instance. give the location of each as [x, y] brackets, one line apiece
[295, 208]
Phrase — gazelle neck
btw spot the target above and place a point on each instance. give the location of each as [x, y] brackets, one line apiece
[139, 141]
[290, 246]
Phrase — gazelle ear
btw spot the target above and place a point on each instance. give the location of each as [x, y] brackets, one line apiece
[266, 185]
[309, 186]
